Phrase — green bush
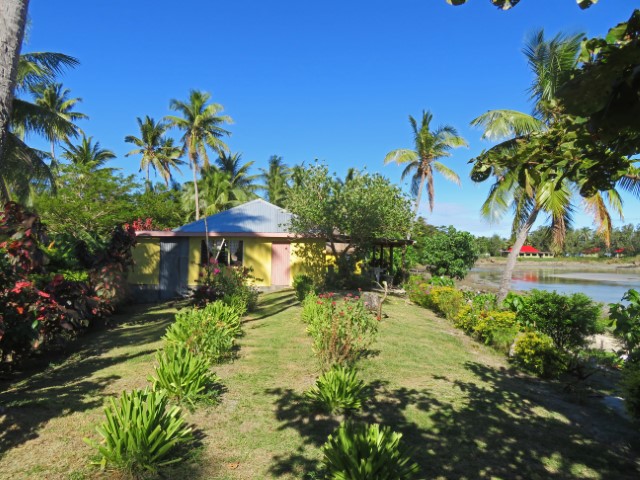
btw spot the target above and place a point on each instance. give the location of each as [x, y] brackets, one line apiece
[442, 281]
[338, 390]
[492, 321]
[341, 330]
[366, 452]
[625, 320]
[418, 290]
[536, 353]
[447, 301]
[303, 285]
[631, 388]
[202, 334]
[223, 315]
[184, 376]
[140, 434]
[567, 319]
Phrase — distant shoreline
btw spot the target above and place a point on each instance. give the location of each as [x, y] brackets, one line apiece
[632, 265]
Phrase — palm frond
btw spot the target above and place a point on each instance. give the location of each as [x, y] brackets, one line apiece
[502, 124]
[446, 172]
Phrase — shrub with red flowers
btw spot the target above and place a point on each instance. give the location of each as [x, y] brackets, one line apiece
[342, 328]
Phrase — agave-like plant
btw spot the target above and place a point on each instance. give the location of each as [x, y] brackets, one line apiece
[185, 377]
[141, 432]
[339, 390]
[364, 452]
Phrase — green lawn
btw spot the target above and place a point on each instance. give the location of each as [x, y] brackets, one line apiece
[464, 413]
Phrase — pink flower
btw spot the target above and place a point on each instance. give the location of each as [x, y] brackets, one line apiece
[43, 294]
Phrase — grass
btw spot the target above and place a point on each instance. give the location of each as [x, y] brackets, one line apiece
[456, 402]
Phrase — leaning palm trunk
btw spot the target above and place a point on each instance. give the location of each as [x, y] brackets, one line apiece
[505, 283]
[13, 16]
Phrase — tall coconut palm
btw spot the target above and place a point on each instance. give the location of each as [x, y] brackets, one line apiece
[276, 180]
[429, 146]
[517, 184]
[215, 193]
[21, 166]
[158, 151]
[55, 100]
[201, 126]
[88, 155]
[238, 172]
[13, 18]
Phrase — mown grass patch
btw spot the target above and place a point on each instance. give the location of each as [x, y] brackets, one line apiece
[464, 412]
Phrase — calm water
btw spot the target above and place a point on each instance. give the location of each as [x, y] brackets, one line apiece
[606, 287]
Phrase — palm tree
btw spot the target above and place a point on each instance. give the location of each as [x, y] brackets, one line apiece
[13, 18]
[22, 167]
[276, 180]
[90, 156]
[201, 123]
[518, 185]
[429, 146]
[216, 193]
[158, 151]
[239, 174]
[55, 100]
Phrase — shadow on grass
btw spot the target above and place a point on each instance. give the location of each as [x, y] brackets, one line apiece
[493, 429]
[30, 398]
[292, 410]
[274, 305]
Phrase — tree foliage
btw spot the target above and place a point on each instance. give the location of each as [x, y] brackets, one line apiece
[363, 208]
[605, 90]
[449, 252]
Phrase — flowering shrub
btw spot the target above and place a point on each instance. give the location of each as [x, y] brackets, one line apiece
[224, 282]
[342, 329]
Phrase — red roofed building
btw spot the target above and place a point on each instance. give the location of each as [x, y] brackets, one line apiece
[529, 251]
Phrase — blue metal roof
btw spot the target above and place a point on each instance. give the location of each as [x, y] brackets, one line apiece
[256, 216]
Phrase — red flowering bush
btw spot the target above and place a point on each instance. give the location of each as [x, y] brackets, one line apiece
[342, 329]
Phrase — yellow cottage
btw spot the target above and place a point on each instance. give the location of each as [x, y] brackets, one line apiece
[255, 235]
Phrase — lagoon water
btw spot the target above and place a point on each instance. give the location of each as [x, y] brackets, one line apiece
[606, 287]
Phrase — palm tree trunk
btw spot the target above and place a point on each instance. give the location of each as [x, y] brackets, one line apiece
[13, 16]
[505, 283]
[148, 185]
[195, 186]
[418, 197]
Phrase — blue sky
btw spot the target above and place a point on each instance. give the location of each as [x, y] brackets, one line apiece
[331, 80]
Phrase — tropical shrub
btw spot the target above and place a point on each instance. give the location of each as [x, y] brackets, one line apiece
[185, 377]
[341, 330]
[631, 388]
[217, 281]
[536, 353]
[140, 434]
[366, 452]
[338, 390]
[566, 319]
[492, 321]
[446, 301]
[202, 335]
[441, 281]
[303, 285]
[514, 302]
[418, 290]
[625, 320]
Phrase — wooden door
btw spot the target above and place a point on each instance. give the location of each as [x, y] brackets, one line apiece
[280, 260]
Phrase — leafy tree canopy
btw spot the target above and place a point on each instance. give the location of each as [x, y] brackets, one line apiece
[606, 88]
[363, 208]
[449, 252]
